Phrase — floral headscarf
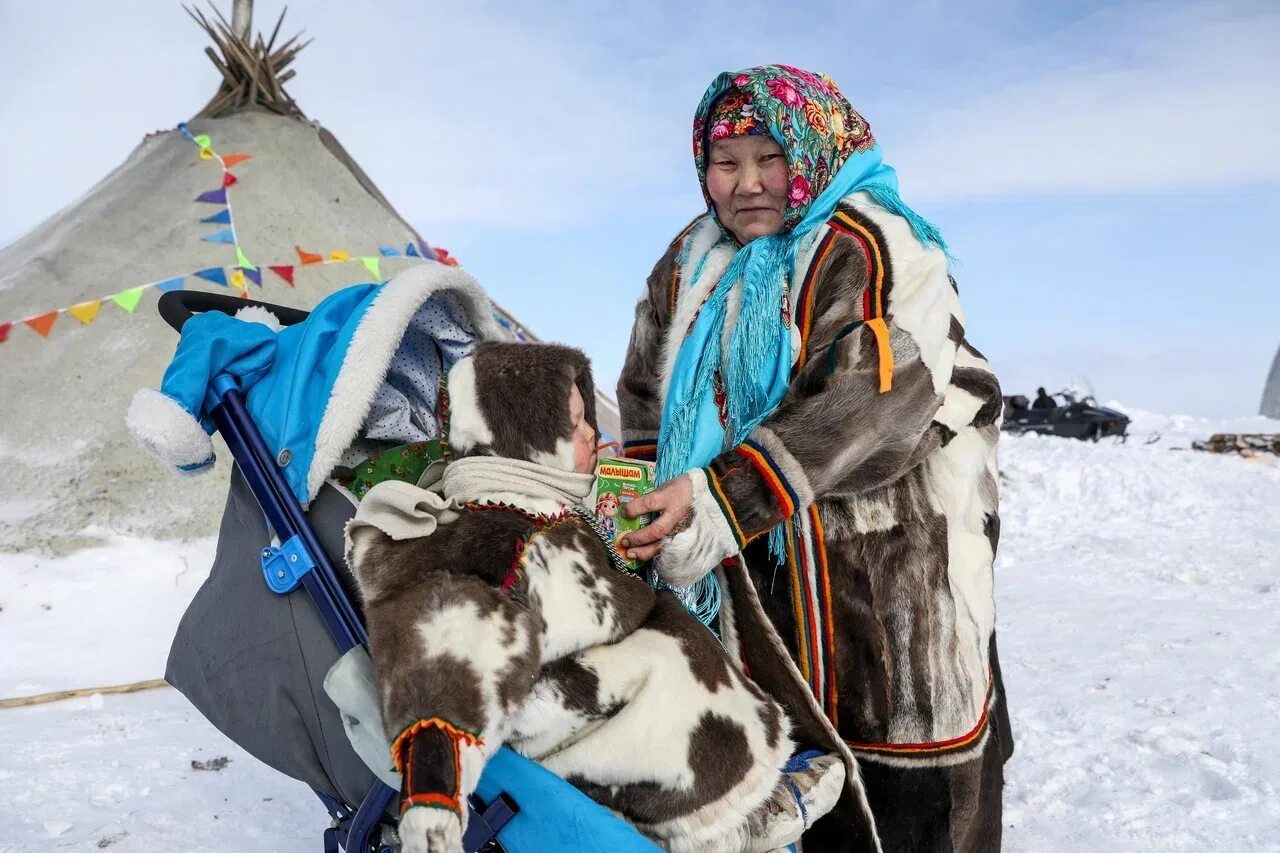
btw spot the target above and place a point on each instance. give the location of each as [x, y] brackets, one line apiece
[804, 112]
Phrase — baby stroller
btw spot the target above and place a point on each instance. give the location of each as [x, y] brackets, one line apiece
[272, 648]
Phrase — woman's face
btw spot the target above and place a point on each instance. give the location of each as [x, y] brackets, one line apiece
[747, 179]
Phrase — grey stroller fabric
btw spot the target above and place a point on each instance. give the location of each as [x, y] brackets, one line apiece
[253, 662]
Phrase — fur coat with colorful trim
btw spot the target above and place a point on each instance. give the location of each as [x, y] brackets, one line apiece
[880, 464]
[497, 615]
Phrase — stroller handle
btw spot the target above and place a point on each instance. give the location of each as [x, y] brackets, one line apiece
[177, 307]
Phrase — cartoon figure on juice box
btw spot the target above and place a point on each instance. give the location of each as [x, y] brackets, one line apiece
[618, 482]
[607, 508]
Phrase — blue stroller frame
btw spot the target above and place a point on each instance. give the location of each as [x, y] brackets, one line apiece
[300, 560]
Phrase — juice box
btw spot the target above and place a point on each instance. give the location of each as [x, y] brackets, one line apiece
[618, 482]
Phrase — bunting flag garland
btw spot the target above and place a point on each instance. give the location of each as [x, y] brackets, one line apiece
[218, 196]
[244, 270]
[86, 311]
[43, 323]
[308, 257]
[129, 299]
[225, 236]
[213, 274]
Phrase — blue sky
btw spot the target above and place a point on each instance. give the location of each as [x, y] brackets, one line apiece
[1107, 174]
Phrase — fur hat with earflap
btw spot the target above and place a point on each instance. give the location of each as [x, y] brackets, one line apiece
[512, 400]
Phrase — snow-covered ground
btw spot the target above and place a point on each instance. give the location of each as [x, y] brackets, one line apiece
[1139, 605]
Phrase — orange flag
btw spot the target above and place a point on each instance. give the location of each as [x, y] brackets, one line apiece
[229, 160]
[85, 311]
[43, 323]
[308, 257]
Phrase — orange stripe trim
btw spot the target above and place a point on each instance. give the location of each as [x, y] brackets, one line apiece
[935, 746]
[820, 546]
[714, 481]
[771, 478]
[884, 351]
[874, 253]
[435, 801]
[807, 291]
[797, 606]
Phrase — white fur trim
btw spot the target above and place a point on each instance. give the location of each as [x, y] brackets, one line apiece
[258, 314]
[169, 432]
[702, 239]
[424, 829]
[467, 426]
[688, 555]
[373, 346]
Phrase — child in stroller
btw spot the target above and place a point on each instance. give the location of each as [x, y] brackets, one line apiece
[498, 612]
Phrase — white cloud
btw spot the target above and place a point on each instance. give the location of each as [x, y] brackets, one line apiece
[1185, 99]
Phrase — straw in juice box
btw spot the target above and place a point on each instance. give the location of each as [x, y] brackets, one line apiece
[618, 482]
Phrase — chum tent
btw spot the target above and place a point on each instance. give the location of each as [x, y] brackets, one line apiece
[249, 196]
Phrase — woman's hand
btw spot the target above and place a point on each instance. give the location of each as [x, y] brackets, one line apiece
[671, 501]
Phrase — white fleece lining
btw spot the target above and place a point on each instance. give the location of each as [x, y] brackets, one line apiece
[701, 240]
[169, 432]
[688, 555]
[258, 314]
[374, 344]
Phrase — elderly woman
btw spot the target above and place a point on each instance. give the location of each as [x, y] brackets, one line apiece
[824, 430]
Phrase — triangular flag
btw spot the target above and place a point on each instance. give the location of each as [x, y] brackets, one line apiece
[254, 275]
[43, 323]
[186, 134]
[228, 179]
[222, 217]
[214, 274]
[224, 236]
[229, 160]
[237, 279]
[242, 260]
[411, 251]
[206, 153]
[371, 264]
[202, 140]
[389, 252]
[86, 311]
[308, 257]
[218, 196]
[339, 255]
[285, 272]
[426, 250]
[4, 331]
[129, 299]
[170, 284]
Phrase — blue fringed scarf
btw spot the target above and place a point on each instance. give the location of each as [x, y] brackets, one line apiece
[758, 368]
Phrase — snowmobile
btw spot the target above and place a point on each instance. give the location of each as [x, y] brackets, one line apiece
[1074, 415]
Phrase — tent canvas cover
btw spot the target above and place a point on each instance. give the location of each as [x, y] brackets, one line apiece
[62, 433]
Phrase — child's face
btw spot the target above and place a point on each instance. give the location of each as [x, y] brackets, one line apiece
[584, 437]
